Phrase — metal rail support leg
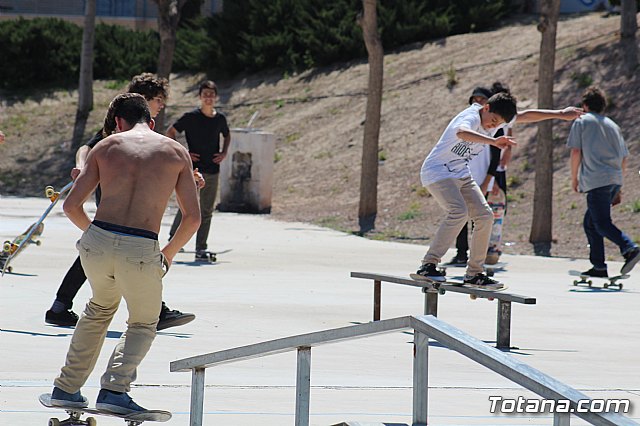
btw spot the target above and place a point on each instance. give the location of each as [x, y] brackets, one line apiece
[503, 338]
[420, 378]
[561, 419]
[197, 397]
[430, 302]
[303, 386]
[377, 299]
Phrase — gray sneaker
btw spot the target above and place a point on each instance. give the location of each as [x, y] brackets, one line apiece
[631, 258]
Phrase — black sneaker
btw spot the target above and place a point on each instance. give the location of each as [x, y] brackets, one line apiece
[631, 258]
[482, 281]
[63, 319]
[173, 318]
[458, 260]
[202, 256]
[593, 272]
[430, 272]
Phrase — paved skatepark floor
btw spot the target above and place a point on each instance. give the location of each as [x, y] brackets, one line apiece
[281, 279]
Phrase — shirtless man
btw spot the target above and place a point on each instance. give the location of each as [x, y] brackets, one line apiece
[119, 249]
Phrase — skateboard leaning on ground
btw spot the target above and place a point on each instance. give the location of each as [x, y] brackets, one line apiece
[437, 285]
[498, 203]
[75, 415]
[11, 249]
[211, 255]
[588, 280]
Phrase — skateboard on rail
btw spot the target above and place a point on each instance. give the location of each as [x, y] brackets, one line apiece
[588, 280]
[489, 269]
[11, 249]
[437, 285]
[76, 414]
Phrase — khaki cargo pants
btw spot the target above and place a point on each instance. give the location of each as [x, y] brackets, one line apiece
[118, 266]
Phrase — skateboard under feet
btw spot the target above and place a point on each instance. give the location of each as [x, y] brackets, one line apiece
[76, 414]
[588, 280]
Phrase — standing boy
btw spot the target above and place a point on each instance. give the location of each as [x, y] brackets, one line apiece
[203, 127]
[445, 173]
[120, 251]
[598, 159]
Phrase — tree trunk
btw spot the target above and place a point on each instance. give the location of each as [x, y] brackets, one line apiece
[369, 169]
[542, 224]
[168, 20]
[85, 83]
[628, 29]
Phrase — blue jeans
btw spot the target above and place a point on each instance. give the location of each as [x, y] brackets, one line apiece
[597, 225]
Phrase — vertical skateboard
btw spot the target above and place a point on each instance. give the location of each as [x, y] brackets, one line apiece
[498, 203]
[10, 249]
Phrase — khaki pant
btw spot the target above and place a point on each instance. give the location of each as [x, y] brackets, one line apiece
[207, 197]
[461, 199]
[117, 266]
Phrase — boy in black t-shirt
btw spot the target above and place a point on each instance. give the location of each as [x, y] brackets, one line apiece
[203, 127]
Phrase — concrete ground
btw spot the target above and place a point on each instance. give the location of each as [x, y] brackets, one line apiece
[281, 279]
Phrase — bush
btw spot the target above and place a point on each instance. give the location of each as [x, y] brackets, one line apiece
[39, 53]
[121, 53]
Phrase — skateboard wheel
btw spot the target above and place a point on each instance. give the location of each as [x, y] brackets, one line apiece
[490, 299]
[6, 247]
[38, 242]
[490, 272]
[10, 269]
[575, 282]
[473, 297]
[442, 291]
[49, 191]
[589, 282]
[54, 422]
[620, 286]
[606, 286]
[91, 421]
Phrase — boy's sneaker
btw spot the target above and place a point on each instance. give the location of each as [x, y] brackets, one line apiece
[593, 272]
[117, 403]
[202, 256]
[458, 260]
[61, 398]
[631, 258]
[173, 318]
[429, 271]
[64, 319]
[482, 281]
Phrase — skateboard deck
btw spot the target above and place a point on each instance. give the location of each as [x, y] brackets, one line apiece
[441, 290]
[12, 249]
[498, 203]
[212, 255]
[588, 280]
[75, 415]
[490, 270]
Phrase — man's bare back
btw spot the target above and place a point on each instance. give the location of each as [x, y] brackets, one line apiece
[139, 170]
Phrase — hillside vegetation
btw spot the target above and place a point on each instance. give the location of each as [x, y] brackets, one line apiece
[317, 117]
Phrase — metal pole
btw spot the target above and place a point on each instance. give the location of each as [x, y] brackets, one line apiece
[377, 299]
[303, 386]
[430, 302]
[503, 337]
[197, 397]
[420, 377]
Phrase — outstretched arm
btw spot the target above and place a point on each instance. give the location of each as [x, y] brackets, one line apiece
[475, 137]
[535, 115]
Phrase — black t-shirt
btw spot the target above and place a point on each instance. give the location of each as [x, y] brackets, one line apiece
[203, 136]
